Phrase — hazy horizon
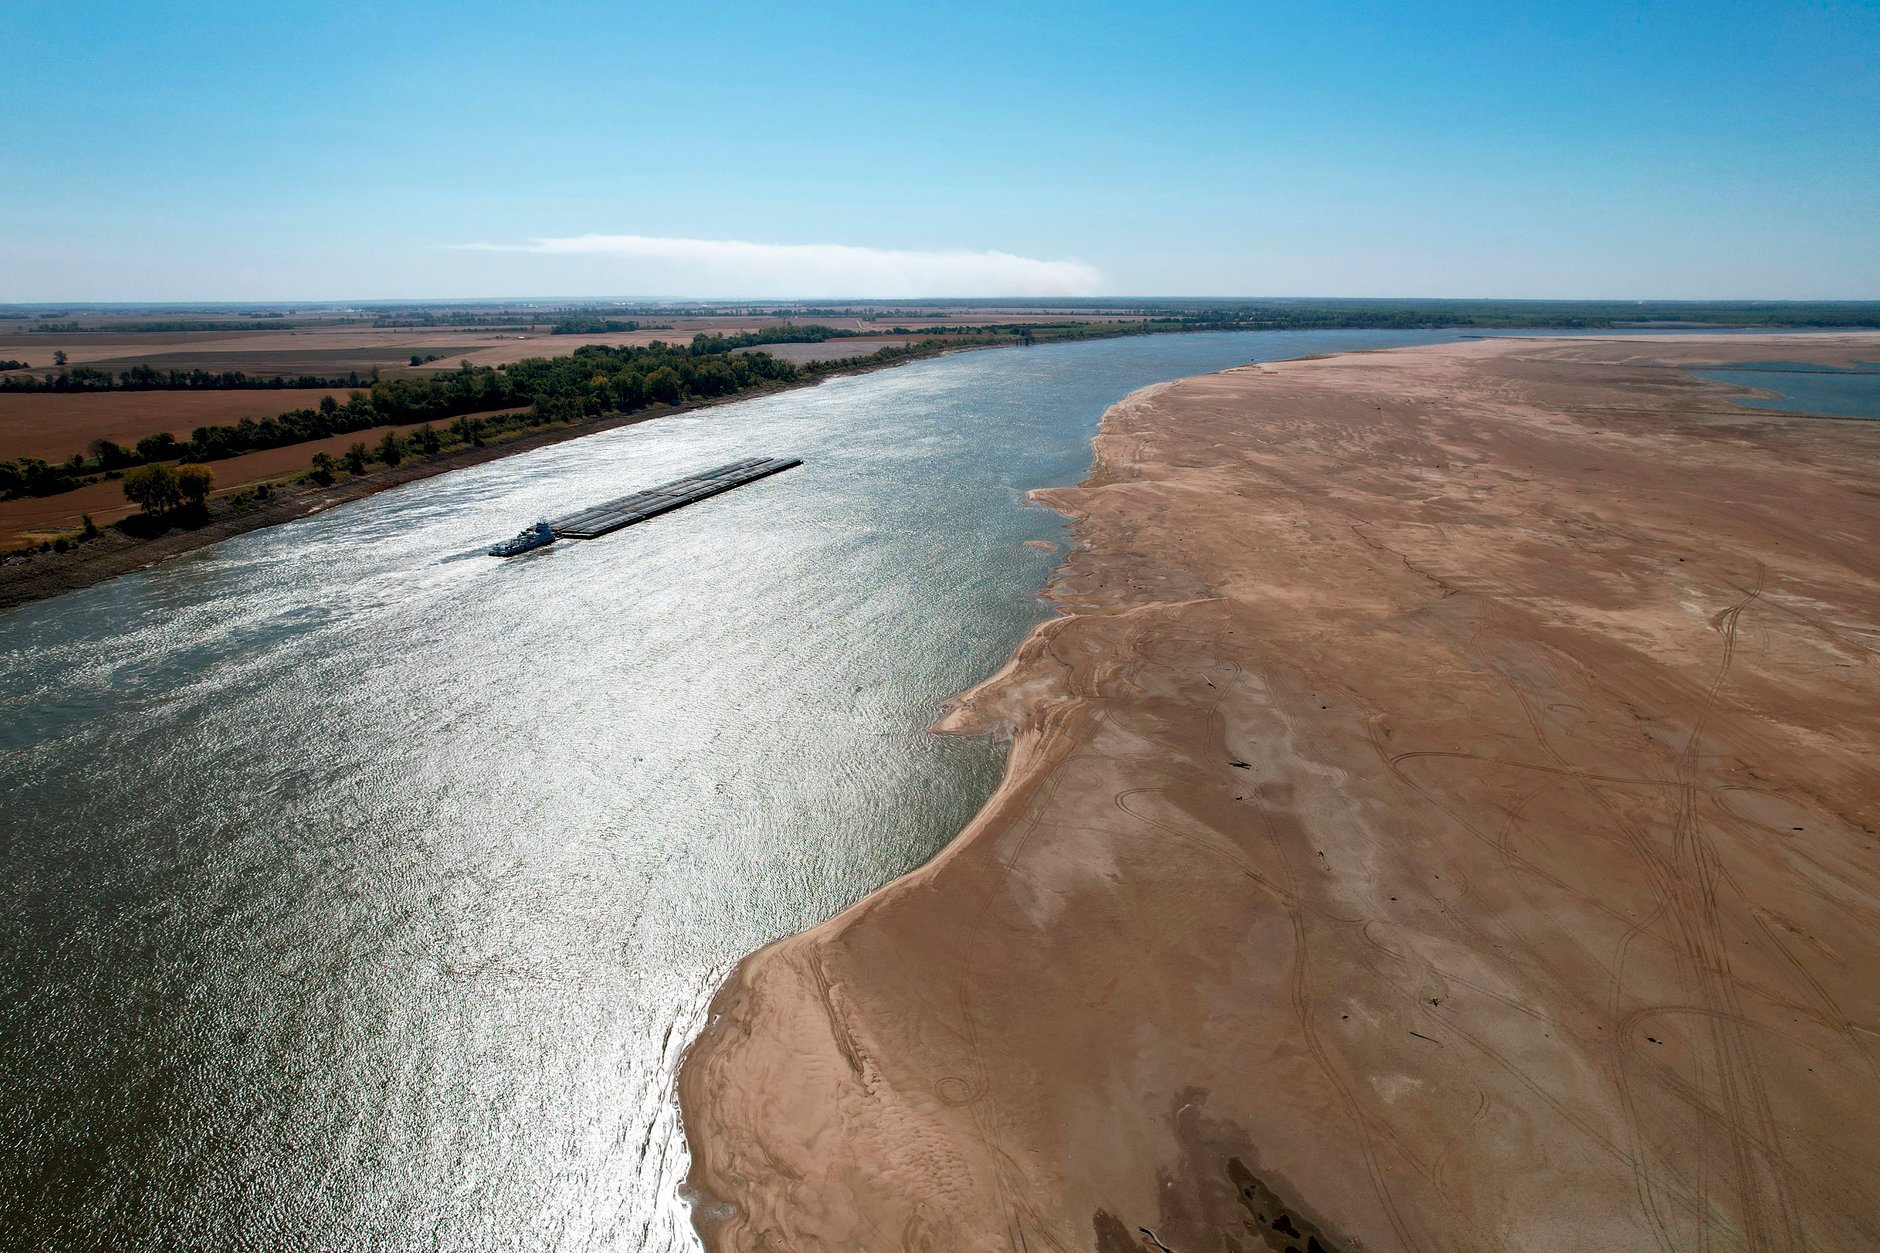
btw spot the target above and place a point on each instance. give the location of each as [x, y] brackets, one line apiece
[853, 301]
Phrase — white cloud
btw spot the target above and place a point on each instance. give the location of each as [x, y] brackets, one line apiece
[734, 268]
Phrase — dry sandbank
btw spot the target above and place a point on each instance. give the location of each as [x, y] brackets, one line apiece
[1444, 818]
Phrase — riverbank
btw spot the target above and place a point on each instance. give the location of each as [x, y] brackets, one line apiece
[1443, 818]
[31, 576]
[112, 553]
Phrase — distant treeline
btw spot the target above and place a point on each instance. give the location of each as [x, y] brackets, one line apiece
[598, 379]
[422, 318]
[1515, 314]
[274, 323]
[709, 343]
[143, 378]
[1434, 311]
[1367, 313]
[586, 319]
[592, 326]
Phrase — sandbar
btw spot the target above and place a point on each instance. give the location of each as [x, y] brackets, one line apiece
[1443, 817]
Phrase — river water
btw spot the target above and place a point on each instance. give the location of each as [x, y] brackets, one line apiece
[362, 891]
[1798, 387]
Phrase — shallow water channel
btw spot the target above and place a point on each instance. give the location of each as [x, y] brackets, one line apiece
[1797, 387]
[362, 891]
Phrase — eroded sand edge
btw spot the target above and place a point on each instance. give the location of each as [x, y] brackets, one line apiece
[1444, 819]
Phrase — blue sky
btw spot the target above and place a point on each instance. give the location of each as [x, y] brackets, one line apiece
[186, 151]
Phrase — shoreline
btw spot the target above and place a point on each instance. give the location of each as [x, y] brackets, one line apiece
[1100, 1012]
[45, 575]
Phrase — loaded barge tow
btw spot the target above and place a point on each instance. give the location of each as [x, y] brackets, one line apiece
[611, 515]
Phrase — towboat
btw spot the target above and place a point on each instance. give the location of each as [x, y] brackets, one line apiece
[541, 535]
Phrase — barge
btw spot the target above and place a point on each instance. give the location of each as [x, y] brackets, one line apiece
[609, 516]
[612, 515]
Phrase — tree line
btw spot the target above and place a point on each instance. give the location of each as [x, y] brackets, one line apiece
[144, 378]
[597, 378]
[712, 343]
[273, 323]
[593, 326]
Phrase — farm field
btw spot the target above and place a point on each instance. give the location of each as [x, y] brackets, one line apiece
[336, 350]
[54, 425]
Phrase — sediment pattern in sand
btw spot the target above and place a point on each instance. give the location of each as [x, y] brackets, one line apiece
[1445, 818]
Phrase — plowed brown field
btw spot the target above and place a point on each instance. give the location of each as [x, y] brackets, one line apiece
[53, 426]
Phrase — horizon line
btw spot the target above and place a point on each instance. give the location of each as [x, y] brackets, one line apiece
[911, 301]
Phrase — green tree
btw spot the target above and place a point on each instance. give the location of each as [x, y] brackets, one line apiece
[58, 358]
[356, 458]
[111, 456]
[428, 441]
[391, 449]
[152, 488]
[194, 483]
[159, 447]
[324, 468]
[41, 479]
[663, 385]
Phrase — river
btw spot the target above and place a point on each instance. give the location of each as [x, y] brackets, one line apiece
[362, 891]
